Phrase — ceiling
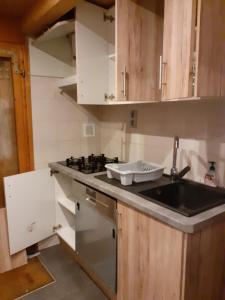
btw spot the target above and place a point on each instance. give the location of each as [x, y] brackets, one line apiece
[103, 3]
[15, 8]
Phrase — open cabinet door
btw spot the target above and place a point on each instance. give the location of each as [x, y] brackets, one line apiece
[30, 205]
[91, 54]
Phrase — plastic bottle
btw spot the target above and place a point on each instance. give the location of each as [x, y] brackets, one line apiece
[210, 176]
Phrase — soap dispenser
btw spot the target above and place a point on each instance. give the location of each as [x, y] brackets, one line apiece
[210, 176]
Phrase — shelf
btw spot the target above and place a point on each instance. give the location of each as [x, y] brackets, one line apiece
[67, 234]
[67, 82]
[60, 29]
[68, 204]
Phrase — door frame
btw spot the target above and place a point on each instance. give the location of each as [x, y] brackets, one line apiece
[18, 54]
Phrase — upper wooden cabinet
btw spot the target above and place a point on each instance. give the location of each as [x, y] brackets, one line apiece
[193, 49]
[178, 49]
[150, 50]
[139, 32]
[210, 48]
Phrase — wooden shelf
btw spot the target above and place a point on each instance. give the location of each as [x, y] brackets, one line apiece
[67, 82]
[68, 204]
[67, 234]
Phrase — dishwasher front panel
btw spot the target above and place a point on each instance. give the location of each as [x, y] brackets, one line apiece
[96, 235]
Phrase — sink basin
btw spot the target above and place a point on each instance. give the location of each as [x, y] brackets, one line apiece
[186, 197]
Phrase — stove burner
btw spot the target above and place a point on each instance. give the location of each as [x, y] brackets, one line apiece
[91, 164]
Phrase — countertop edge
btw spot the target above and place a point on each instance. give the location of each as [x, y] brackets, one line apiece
[162, 214]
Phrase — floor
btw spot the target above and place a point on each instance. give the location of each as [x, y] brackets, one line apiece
[71, 281]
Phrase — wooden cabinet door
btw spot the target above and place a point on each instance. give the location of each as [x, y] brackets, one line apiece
[210, 77]
[139, 31]
[149, 258]
[178, 48]
[30, 205]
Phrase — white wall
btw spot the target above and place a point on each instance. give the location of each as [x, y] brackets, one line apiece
[200, 125]
[57, 119]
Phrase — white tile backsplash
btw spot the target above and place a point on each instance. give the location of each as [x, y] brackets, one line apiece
[58, 123]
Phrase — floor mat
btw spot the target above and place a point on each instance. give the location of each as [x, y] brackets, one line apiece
[26, 279]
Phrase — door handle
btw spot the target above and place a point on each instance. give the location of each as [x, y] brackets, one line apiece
[161, 72]
[124, 88]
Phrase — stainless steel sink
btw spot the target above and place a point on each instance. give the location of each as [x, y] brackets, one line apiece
[186, 197]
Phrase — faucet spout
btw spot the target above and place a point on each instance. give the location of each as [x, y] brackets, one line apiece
[174, 173]
[175, 147]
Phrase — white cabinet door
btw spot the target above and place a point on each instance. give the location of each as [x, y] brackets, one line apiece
[91, 54]
[30, 204]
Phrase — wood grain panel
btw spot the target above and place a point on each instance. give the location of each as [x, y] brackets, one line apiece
[8, 143]
[178, 47]
[204, 277]
[139, 31]
[10, 31]
[211, 48]
[44, 13]
[103, 3]
[8, 262]
[22, 104]
[149, 258]
[15, 9]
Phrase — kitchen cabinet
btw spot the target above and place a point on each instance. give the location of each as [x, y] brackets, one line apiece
[156, 261]
[178, 49]
[95, 53]
[147, 51]
[39, 205]
[139, 41]
[193, 49]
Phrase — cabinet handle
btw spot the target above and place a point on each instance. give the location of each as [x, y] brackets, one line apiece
[119, 222]
[124, 90]
[90, 200]
[102, 203]
[160, 71]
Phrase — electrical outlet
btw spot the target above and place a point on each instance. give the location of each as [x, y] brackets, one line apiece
[133, 118]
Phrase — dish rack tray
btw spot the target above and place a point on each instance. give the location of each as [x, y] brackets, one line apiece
[138, 171]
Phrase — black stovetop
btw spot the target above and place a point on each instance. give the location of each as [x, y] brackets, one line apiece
[90, 164]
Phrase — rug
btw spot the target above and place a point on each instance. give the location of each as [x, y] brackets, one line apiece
[24, 280]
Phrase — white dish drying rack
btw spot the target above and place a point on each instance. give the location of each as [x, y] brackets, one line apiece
[138, 171]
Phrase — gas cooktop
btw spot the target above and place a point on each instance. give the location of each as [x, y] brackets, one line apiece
[88, 165]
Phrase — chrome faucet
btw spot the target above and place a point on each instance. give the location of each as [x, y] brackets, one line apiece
[174, 173]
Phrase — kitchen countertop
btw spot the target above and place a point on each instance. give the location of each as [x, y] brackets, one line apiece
[165, 215]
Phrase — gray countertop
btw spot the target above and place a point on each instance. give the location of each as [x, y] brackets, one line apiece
[167, 216]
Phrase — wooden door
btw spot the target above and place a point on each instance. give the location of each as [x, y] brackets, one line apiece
[149, 257]
[210, 77]
[139, 31]
[178, 48]
[16, 146]
[30, 205]
[9, 164]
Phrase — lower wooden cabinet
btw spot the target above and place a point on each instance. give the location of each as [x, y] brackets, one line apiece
[158, 262]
